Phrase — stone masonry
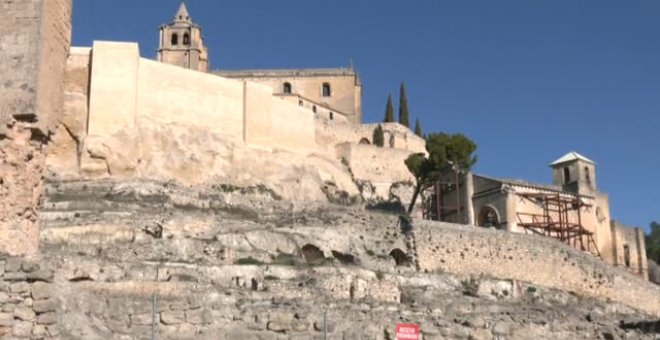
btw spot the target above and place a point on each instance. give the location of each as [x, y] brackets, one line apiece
[34, 44]
[28, 305]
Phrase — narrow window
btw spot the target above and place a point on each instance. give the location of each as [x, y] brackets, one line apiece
[186, 39]
[314, 108]
[587, 176]
[300, 103]
[175, 39]
[567, 175]
[286, 88]
[332, 116]
[626, 255]
[326, 90]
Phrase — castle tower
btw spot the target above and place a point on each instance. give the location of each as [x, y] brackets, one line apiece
[575, 173]
[181, 43]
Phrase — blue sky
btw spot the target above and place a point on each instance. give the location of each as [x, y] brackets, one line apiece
[527, 80]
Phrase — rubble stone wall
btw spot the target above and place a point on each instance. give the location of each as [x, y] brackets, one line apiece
[471, 250]
[28, 303]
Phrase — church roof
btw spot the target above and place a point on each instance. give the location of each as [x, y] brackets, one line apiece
[182, 14]
[275, 73]
[571, 156]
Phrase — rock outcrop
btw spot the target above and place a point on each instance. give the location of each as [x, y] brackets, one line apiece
[240, 263]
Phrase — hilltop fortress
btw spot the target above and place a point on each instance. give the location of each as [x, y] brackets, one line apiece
[146, 196]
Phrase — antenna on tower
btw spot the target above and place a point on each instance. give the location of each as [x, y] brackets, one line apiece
[351, 66]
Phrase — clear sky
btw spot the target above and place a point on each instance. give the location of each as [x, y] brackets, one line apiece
[527, 80]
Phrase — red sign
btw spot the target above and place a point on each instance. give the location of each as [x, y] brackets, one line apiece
[407, 331]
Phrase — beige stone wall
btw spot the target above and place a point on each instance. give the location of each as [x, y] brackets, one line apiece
[632, 238]
[396, 136]
[544, 261]
[65, 149]
[345, 94]
[242, 112]
[34, 41]
[175, 95]
[276, 123]
[319, 111]
[381, 167]
[330, 133]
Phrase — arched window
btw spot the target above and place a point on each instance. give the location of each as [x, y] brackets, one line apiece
[488, 217]
[286, 88]
[364, 140]
[314, 108]
[326, 90]
[175, 39]
[186, 39]
[332, 115]
[567, 175]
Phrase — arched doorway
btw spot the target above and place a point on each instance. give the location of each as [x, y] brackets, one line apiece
[488, 217]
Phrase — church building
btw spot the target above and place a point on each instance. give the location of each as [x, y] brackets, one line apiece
[571, 209]
[332, 93]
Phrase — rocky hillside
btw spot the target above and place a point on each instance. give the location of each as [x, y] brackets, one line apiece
[238, 263]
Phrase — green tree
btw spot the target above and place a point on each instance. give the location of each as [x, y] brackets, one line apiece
[379, 136]
[443, 150]
[652, 241]
[404, 115]
[418, 128]
[389, 111]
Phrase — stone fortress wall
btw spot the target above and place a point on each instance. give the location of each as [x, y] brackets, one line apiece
[542, 260]
[34, 43]
[99, 139]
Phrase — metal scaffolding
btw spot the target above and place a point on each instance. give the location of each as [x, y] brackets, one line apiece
[444, 202]
[555, 220]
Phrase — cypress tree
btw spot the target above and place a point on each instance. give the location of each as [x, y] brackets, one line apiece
[404, 115]
[379, 136]
[389, 111]
[418, 128]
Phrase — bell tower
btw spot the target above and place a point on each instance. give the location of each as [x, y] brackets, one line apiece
[575, 173]
[181, 43]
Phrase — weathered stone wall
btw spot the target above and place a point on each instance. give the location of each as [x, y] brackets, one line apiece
[237, 263]
[320, 112]
[330, 133]
[470, 250]
[632, 239]
[34, 43]
[28, 304]
[381, 167]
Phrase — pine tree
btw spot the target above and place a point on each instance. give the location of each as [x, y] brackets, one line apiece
[379, 136]
[418, 128]
[389, 111]
[404, 115]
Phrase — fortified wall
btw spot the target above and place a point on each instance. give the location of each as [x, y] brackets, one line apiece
[542, 260]
[34, 44]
